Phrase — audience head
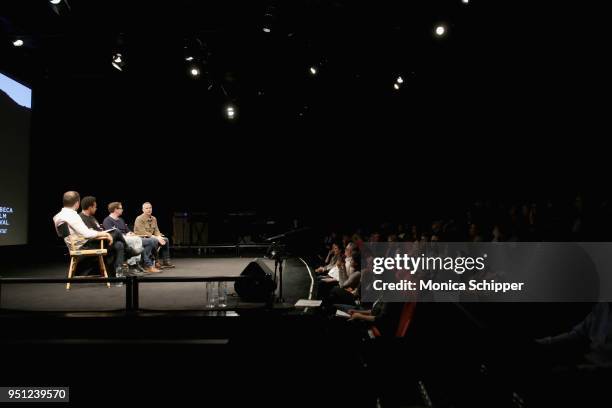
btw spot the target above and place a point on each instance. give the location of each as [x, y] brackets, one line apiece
[350, 248]
[498, 234]
[89, 205]
[336, 248]
[473, 231]
[71, 200]
[375, 237]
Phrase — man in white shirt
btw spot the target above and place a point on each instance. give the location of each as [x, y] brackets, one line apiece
[79, 233]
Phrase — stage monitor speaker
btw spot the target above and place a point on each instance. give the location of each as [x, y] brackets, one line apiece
[258, 285]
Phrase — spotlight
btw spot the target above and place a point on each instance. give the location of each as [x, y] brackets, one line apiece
[440, 30]
[313, 70]
[194, 72]
[189, 58]
[396, 87]
[18, 42]
[465, 1]
[118, 61]
[399, 80]
[230, 111]
[269, 19]
[60, 7]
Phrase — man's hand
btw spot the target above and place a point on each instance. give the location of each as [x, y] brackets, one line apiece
[109, 237]
[161, 240]
[357, 316]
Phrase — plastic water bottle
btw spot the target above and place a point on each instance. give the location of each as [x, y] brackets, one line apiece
[120, 273]
[212, 296]
[222, 299]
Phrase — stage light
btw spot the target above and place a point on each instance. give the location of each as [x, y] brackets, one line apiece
[230, 112]
[313, 70]
[440, 30]
[118, 61]
[194, 72]
[60, 7]
[269, 19]
[396, 86]
[18, 42]
[465, 1]
[190, 58]
[399, 80]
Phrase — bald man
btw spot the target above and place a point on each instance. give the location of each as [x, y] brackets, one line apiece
[146, 224]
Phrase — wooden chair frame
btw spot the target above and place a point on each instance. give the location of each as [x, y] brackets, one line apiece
[76, 254]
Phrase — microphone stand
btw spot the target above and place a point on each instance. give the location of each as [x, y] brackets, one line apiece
[278, 266]
[278, 254]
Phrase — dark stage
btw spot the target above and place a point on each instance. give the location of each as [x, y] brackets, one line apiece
[297, 284]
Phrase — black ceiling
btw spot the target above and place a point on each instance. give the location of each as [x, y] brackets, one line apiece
[360, 45]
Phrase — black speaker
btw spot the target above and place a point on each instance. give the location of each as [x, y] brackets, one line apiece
[258, 285]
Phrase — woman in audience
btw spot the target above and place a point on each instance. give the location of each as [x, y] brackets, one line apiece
[332, 259]
[347, 292]
[327, 282]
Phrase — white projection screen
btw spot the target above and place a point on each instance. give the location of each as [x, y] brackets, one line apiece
[15, 114]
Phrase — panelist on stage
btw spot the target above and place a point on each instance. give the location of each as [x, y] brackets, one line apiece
[146, 224]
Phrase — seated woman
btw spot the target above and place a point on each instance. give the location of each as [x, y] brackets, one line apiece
[347, 292]
[327, 282]
[335, 276]
[332, 259]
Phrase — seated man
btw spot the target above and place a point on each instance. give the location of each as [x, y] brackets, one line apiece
[114, 220]
[119, 248]
[146, 225]
[80, 236]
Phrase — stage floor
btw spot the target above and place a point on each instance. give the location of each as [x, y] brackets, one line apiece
[297, 284]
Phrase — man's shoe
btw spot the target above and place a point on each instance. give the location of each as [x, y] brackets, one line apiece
[167, 265]
[158, 265]
[152, 269]
[136, 272]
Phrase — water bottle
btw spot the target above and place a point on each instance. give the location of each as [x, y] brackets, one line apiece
[119, 273]
[222, 298]
[212, 296]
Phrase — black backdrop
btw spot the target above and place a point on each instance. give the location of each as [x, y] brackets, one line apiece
[504, 107]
